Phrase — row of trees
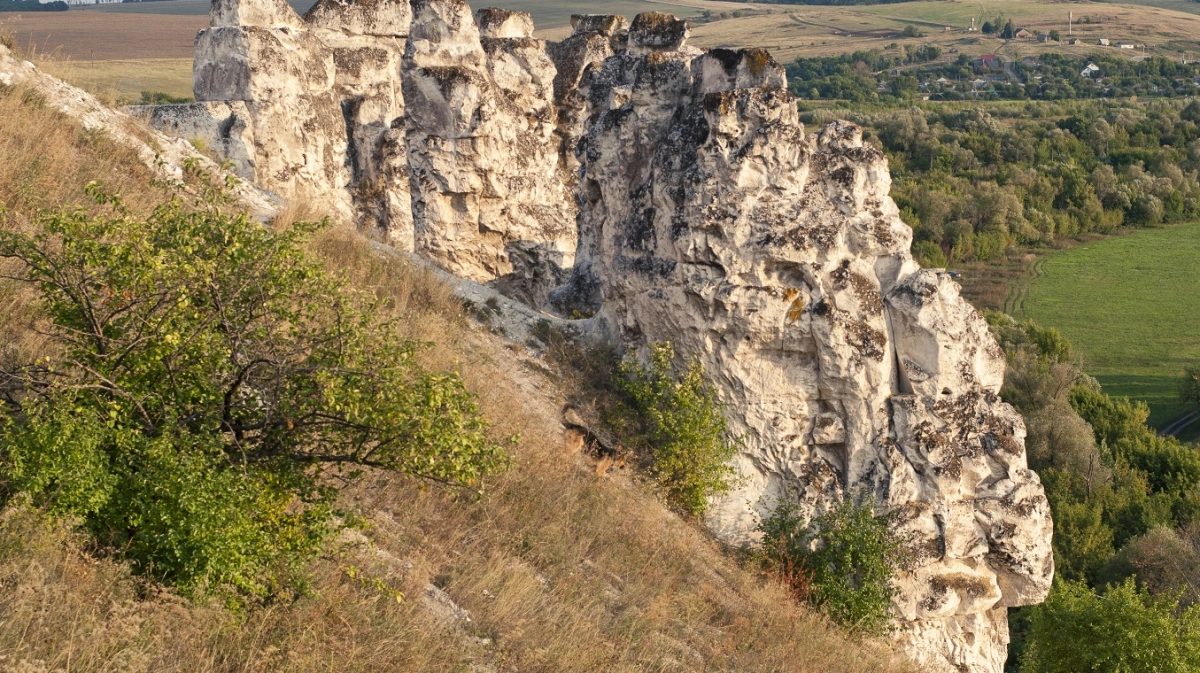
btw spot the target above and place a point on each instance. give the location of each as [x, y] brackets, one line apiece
[857, 77]
[32, 6]
[974, 181]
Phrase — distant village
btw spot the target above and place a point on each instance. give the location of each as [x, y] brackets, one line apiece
[992, 74]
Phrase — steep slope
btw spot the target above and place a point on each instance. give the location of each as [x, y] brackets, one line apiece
[552, 569]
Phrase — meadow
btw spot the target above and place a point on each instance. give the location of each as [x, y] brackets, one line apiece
[1131, 306]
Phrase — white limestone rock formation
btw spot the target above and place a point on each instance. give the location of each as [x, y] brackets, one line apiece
[595, 38]
[490, 200]
[263, 55]
[367, 39]
[673, 192]
[711, 219]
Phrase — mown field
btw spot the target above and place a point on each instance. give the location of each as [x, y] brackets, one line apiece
[1131, 305]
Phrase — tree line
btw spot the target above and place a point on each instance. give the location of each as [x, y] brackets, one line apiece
[974, 181]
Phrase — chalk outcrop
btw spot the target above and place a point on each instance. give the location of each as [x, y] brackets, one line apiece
[673, 193]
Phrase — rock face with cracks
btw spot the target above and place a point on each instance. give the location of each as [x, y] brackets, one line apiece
[673, 193]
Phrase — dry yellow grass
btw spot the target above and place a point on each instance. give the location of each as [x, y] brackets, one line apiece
[560, 570]
[125, 80]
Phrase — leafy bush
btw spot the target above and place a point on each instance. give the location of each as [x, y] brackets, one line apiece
[678, 421]
[161, 98]
[203, 375]
[844, 560]
[1123, 630]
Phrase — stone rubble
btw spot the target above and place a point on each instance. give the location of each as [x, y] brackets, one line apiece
[673, 193]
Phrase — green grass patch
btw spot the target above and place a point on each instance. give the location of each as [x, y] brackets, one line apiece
[1131, 306]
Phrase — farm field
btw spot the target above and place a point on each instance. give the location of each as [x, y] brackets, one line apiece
[103, 36]
[803, 30]
[1131, 306]
[547, 14]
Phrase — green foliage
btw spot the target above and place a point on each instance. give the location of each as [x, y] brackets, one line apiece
[974, 180]
[160, 98]
[849, 555]
[1123, 630]
[1189, 388]
[1169, 465]
[679, 422]
[204, 374]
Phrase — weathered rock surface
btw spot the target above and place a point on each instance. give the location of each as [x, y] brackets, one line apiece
[708, 217]
[673, 193]
[489, 197]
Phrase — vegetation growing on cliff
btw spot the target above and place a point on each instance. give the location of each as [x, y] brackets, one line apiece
[676, 420]
[843, 561]
[557, 569]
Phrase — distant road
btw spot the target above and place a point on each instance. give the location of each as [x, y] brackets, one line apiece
[1180, 424]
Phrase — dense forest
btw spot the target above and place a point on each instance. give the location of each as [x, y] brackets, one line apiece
[975, 180]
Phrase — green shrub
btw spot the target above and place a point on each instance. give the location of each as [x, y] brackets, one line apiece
[161, 98]
[1123, 630]
[677, 420]
[1189, 388]
[847, 558]
[204, 374]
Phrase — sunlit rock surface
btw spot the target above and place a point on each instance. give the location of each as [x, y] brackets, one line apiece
[673, 193]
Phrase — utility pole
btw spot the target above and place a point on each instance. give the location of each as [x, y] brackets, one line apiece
[1070, 21]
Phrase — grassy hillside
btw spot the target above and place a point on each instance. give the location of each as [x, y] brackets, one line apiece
[558, 569]
[1131, 305]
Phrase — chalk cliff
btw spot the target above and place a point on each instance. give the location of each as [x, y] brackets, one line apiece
[672, 193]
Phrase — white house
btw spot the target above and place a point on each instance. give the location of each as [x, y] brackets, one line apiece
[1089, 70]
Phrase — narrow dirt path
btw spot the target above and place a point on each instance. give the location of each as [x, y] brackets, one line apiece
[1180, 424]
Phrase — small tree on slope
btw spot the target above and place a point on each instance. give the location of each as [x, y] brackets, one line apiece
[202, 373]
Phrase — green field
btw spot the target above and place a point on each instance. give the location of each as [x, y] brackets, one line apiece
[1131, 306]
